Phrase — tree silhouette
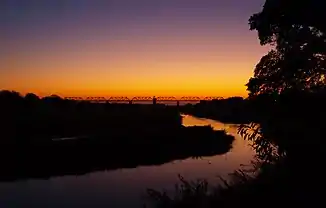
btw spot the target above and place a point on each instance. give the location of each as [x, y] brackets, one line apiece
[9, 96]
[297, 32]
[53, 99]
[10, 100]
[285, 77]
[31, 97]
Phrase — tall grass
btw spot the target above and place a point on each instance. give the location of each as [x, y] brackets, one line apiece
[199, 193]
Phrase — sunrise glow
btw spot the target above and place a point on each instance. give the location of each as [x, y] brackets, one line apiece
[81, 48]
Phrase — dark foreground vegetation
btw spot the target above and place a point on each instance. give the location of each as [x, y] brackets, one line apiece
[288, 95]
[51, 137]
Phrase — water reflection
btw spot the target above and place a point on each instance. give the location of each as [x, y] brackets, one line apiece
[124, 187]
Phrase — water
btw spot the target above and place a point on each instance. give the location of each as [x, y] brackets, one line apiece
[124, 187]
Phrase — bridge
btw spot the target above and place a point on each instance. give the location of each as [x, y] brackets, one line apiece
[143, 99]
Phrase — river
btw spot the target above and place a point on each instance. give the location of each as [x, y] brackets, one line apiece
[125, 187]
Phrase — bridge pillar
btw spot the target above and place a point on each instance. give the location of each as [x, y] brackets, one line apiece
[154, 100]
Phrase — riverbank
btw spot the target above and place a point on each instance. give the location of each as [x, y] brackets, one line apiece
[80, 156]
[234, 110]
[124, 187]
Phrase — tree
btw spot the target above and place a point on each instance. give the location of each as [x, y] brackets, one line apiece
[31, 97]
[10, 98]
[53, 98]
[292, 116]
[297, 30]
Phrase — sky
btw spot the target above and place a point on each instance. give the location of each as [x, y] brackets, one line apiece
[128, 47]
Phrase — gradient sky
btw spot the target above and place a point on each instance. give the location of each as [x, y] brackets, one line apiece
[128, 47]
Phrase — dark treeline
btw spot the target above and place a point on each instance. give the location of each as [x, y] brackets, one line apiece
[257, 108]
[35, 135]
[229, 110]
[29, 118]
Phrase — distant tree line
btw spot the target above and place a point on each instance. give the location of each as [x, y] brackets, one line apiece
[33, 119]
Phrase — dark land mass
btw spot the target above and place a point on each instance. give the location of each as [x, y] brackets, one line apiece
[235, 110]
[30, 119]
[105, 137]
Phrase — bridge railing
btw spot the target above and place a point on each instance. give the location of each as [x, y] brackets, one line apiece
[142, 98]
[119, 99]
[168, 98]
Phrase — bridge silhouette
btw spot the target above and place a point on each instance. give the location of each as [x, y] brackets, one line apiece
[143, 99]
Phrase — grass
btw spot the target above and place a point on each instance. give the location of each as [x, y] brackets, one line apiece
[194, 194]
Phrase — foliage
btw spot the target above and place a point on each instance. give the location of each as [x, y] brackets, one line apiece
[187, 194]
[266, 150]
[199, 194]
[297, 31]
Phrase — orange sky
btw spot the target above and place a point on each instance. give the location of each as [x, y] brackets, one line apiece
[173, 54]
